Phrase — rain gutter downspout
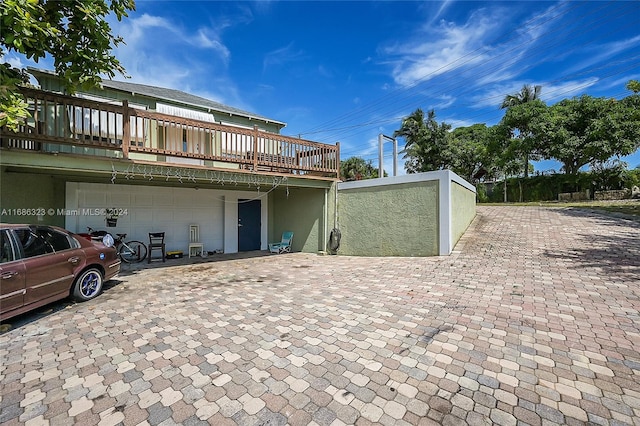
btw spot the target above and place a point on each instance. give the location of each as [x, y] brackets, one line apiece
[326, 218]
[335, 207]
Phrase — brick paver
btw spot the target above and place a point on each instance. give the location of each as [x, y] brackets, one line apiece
[534, 319]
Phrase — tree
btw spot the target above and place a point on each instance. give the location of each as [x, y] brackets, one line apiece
[426, 147]
[503, 151]
[75, 34]
[520, 120]
[468, 152]
[528, 93]
[588, 130]
[608, 175]
[356, 168]
[634, 86]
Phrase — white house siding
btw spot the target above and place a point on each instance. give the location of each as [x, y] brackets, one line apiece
[160, 209]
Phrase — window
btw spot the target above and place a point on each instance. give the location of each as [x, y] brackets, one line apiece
[37, 241]
[32, 244]
[57, 240]
[184, 140]
[7, 252]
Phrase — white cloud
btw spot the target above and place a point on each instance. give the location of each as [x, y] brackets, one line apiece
[324, 71]
[143, 33]
[162, 52]
[493, 95]
[442, 49]
[477, 52]
[283, 55]
[620, 83]
[442, 102]
[551, 92]
[603, 52]
[537, 25]
[455, 123]
[442, 7]
[205, 40]
[14, 60]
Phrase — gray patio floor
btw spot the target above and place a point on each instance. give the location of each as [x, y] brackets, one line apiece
[534, 319]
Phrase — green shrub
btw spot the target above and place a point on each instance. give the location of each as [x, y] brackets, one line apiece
[481, 193]
[547, 187]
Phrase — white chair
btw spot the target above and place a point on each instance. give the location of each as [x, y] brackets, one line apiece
[195, 246]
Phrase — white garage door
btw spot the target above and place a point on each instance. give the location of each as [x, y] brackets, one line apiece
[149, 209]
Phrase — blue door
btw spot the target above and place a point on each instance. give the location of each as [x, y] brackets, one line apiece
[249, 212]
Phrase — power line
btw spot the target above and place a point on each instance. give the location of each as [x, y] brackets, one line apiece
[447, 89]
[560, 92]
[394, 93]
[355, 126]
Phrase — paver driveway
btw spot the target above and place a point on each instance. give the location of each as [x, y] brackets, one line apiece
[533, 320]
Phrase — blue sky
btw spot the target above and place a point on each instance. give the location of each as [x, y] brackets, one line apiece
[347, 71]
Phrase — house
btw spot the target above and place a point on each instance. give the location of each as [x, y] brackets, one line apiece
[164, 160]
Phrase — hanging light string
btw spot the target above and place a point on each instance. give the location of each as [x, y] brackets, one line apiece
[180, 174]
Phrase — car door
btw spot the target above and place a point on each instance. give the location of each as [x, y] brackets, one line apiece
[50, 260]
[12, 274]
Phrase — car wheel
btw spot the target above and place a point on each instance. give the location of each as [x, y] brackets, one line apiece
[88, 285]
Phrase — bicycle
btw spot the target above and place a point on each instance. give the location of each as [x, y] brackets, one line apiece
[129, 251]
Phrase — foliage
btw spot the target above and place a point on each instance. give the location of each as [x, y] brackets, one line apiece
[13, 107]
[356, 168]
[528, 93]
[546, 187]
[501, 149]
[588, 130]
[426, 142]
[468, 153]
[481, 193]
[576, 132]
[475, 152]
[543, 187]
[521, 108]
[502, 154]
[76, 35]
[632, 178]
[608, 175]
[633, 85]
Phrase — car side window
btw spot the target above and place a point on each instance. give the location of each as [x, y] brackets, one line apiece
[7, 253]
[57, 240]
[32, 243]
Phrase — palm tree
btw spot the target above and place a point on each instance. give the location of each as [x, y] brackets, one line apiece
[426, 142]
[528, 93]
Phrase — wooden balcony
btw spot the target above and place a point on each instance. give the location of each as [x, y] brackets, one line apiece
[121, 131]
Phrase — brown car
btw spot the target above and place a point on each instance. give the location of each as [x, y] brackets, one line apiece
[41, 264]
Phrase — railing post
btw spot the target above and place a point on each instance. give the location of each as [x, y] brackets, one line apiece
[255, 147]
[126, 129]
[338, 160]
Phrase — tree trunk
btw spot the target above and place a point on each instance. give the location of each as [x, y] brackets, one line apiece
[520, 188]
[526, 166]
[505, 188]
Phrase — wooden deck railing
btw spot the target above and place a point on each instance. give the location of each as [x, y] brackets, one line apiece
[70, 120]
